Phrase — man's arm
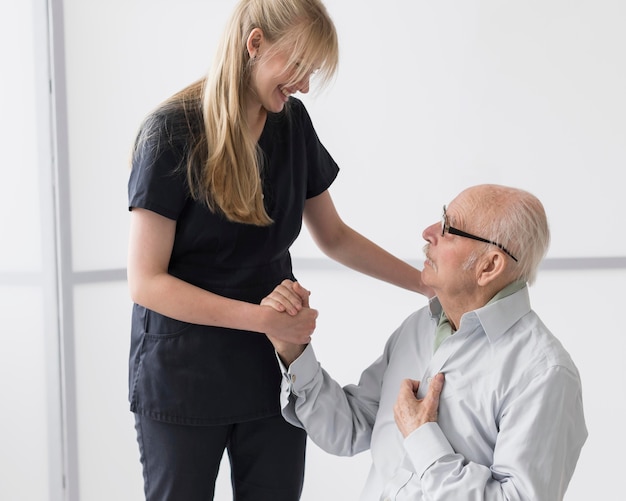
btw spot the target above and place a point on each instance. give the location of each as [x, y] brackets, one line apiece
[338, 419]
[310, 398]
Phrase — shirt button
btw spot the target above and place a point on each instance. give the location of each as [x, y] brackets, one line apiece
[293, 378]
[429, 379]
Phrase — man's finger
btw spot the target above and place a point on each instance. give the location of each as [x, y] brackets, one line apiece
[408, 388]
[436, 385]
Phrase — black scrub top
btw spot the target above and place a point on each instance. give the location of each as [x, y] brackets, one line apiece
[192, 374]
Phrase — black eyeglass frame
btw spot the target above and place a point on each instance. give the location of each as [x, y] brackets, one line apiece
[445, 226]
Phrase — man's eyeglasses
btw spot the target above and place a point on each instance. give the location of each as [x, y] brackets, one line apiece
[445, 226]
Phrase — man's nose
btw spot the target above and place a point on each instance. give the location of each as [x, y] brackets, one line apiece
[432, 231]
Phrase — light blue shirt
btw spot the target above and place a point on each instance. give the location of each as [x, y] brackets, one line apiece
[510, 425]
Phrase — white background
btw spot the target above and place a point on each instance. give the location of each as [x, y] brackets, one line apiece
[430, 98]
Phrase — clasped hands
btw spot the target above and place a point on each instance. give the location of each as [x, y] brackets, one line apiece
[290, 333]
[291, 336]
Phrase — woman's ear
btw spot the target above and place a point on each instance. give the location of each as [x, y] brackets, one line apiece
[253, 44]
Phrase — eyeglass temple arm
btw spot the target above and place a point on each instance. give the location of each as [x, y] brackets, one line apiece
[461, 233]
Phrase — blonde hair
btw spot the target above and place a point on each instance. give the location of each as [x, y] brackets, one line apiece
[223, 163]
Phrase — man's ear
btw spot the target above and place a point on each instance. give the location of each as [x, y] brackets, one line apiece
[253, 44]
[490, 267]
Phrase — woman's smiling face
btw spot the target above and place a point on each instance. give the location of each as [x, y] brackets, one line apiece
[271, 82]
[273, 77]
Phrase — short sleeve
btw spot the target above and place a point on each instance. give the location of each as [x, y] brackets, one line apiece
[322, 168]
[157, 182]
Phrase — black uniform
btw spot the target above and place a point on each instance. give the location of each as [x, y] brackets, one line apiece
[187, 374]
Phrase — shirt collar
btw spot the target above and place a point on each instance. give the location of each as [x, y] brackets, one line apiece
[435, 307]
[508, 290]
[504, 310]
[498, 315]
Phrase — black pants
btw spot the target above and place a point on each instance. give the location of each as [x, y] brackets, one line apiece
[181, 463]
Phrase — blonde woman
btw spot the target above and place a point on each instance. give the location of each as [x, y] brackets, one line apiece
[223, 173]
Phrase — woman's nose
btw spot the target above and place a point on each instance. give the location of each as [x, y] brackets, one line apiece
[304, 85]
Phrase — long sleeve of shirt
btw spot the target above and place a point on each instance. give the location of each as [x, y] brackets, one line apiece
[309, 393]
[510, 424]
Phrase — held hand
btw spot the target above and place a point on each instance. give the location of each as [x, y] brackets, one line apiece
[410, 412]
[289, 333]
[288, 296]
[295, 329]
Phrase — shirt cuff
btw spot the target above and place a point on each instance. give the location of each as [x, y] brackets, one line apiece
[426, 445]
[300, 373]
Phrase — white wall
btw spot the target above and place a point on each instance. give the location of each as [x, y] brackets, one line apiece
[30, 383]
[431, 97]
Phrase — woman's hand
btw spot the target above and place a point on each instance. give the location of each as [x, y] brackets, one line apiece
[288, 296]
[292, 332]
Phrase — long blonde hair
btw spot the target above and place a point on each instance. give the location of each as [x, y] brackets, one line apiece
[223, 162]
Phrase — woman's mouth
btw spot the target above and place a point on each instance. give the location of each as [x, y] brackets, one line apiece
[285, 92]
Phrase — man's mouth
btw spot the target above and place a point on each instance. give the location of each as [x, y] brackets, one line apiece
[427, 259]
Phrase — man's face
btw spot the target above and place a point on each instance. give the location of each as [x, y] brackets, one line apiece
[445, 266]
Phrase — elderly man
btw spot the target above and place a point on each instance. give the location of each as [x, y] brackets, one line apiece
[508, 421]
